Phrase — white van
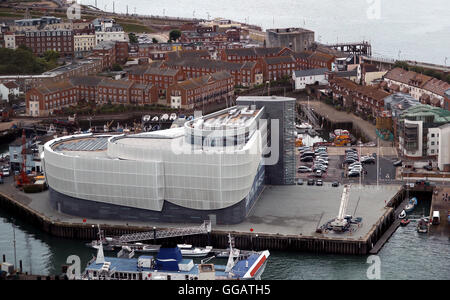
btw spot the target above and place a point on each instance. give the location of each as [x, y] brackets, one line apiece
[436, 218]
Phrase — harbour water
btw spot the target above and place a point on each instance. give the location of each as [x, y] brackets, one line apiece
[400, 29]
[407, 255]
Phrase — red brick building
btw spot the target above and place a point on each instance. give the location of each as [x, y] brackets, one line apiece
[278, 67]
[241, 55]
[366, 100]
[43, 40]
[314, 60]
[194, 67]
[198, 93]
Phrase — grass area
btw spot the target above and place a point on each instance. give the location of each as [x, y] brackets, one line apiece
[133, 27]
[10, 14]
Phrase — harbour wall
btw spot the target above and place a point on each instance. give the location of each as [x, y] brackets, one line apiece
[218, 239]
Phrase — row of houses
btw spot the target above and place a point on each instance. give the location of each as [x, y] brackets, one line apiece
[67, 38]
[426, 89]
[51, 97]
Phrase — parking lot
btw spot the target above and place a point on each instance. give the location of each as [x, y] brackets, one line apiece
[338, 171]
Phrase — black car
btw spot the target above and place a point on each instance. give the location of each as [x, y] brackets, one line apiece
[311, 182]
[307, 159]
[398, 163]
[335, 184]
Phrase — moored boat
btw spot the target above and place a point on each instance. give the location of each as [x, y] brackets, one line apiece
[170, 265]
[422, 226]
[402, 215]
[404, 222]
[411, 204]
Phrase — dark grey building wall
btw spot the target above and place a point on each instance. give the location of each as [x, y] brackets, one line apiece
[170, 213]
[297, 41]
[282, 109]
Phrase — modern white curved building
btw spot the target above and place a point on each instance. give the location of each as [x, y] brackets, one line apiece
[212, 168]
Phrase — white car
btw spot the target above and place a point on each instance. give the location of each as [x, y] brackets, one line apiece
[5, 172]
[304, 169]
[173, 117]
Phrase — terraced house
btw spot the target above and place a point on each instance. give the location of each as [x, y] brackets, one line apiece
[251, 72]
[199, 93]
[427, 89]
[366, 100]
[278, 67]
[158, 77]
[50, 97]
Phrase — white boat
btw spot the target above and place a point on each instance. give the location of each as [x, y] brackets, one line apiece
[186, 249]
[411, 204]
[402, 215]
[303, 126]
[146, 118]
[164, 117]
[169, 265]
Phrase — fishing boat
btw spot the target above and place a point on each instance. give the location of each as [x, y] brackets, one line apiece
[170, 265]
[404, 222]
[411, 205]
[422, 226]
[402, 215]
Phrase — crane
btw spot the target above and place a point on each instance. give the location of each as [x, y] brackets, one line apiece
[341, 223]
[23, 179]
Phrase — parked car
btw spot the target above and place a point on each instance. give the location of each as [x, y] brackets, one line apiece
[304, 169]
[335, 184]
[319, 182]
[5, 172]
[311, 182]
[349, 161]
[428, 168]
[354, 174]
[368, 159]
[398, 163]
[307, 159]
[300, 182]
[318, 173]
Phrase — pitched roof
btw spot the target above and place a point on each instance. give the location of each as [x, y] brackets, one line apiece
[437, 86]
[204, 63]
[311, 72]
[202, 81]
[187, 53]
[116, 83]
[10, 85]
[86, 80]
[278, 60]
[49, 86]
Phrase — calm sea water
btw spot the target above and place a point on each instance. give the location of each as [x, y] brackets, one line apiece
[405, 29]
[407, 255]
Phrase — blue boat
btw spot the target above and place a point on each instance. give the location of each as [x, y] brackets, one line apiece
[411, 205]
[170, 265]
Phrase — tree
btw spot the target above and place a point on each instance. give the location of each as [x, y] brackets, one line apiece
[51, 55]
[116, 67]
[174, 35]
[133, 38]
